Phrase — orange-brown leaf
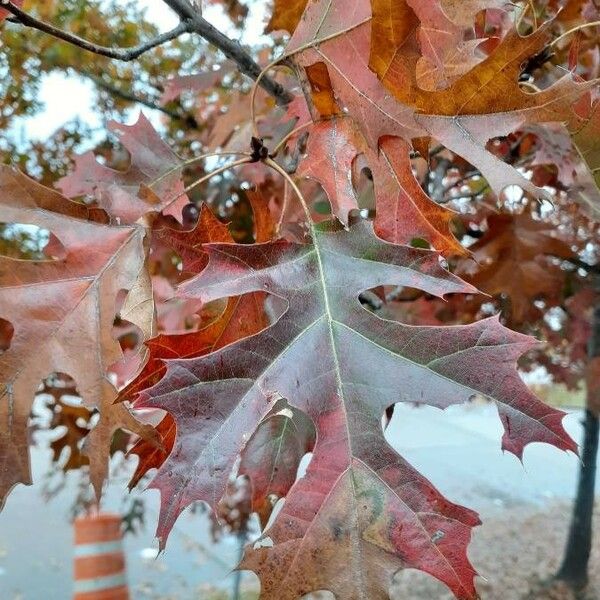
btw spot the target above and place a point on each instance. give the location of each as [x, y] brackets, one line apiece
[286, 15]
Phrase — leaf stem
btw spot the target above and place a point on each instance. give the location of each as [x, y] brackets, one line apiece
[573, 30]
[191, 161]
[283, 206]
[255, 85]
[271, 163]
[235, 163]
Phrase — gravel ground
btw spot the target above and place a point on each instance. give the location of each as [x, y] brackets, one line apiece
[516, 552]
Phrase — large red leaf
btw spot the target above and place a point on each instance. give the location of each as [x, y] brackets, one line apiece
[360, 504]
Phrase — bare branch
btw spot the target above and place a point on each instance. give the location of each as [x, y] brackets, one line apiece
[230, 48]
[191, 21]
[131, 97]
[124, 54]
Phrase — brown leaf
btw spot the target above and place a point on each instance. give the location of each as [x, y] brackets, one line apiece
[509, 259]
[321, 91]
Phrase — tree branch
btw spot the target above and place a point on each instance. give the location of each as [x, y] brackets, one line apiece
[230, 48]
[124, 54]
[131, 97]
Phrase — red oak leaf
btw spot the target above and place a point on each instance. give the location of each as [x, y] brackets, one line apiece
[153, 163]
[360, 503]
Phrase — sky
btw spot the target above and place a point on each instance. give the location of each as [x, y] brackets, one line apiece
[66, 98]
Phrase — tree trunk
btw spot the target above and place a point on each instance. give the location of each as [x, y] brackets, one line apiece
[574, 568]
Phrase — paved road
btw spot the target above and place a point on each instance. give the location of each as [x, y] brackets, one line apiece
[458, 449]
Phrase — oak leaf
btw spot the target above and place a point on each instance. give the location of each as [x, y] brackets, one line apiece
[152, 162]
[360, 503]
[509, 260]
[62, 311]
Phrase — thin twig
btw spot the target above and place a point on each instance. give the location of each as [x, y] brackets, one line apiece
[193, 160]
[206, 177]
[231, 48]
[124, 54]
[259, 81]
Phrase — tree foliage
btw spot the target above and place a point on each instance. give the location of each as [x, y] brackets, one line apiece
[287, 266]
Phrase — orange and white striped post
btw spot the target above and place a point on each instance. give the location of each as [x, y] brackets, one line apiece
[99, 560]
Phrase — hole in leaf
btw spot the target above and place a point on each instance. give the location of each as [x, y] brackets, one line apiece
[7, 331]
[319, 595]
[59, 413]
[420, 243]
[322, 207]
[362, 180]
[416, 584]
[29, 242]
[264, 542]
[130, 338]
